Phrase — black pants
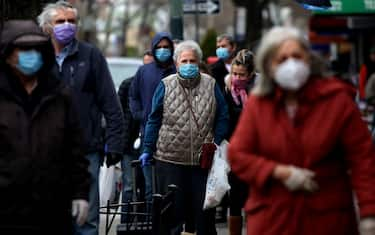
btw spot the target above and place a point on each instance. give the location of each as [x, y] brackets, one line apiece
[191, 183]
[237, 195]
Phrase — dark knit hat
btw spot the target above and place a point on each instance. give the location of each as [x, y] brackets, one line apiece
[21, 33]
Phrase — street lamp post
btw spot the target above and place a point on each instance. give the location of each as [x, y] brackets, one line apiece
[176, 19]
[196, 17]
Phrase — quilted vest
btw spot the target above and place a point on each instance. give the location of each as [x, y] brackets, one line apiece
[180, 139]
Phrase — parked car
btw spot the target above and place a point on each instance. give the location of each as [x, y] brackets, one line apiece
[122, 68]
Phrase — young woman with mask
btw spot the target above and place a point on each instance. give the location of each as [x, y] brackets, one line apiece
[302, 147]
[239, 82]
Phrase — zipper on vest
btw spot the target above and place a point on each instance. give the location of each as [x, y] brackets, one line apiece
[191, 129]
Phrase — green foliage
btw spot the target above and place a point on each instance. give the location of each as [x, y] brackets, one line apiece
[208, 43]
[132, 51]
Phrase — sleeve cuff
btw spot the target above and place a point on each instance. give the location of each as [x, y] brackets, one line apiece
[147, 150]
[265, 173]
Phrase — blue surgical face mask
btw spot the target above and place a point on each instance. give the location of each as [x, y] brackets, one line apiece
[163, 54]
[188, 71]
[222, 53]
[29, 62]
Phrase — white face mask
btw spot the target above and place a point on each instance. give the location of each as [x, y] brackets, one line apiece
[292, 74]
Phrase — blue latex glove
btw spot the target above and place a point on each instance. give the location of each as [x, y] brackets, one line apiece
[145, 159]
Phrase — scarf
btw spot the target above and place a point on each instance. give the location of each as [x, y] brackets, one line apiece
[239, 89]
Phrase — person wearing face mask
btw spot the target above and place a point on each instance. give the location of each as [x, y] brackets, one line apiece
[225, 50]
[188, 110]
[241, 79]
[302, 147]
[132, 144]
[143, 86]
[82, 67]
[44, 179]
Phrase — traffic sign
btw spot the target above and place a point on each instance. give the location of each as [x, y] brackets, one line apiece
[201, 6]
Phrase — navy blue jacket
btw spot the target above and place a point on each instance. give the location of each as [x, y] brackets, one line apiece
[146, 80]
[86, 71]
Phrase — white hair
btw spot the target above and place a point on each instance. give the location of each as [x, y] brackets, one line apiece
[267, 49]
[50, 10]
[188, 45]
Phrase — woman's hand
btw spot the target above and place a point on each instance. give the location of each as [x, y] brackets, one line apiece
[281, 172]
[295, 178]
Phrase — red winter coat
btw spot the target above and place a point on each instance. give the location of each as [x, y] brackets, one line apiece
[328, 137]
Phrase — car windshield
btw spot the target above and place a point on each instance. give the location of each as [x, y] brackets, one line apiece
[121, 71]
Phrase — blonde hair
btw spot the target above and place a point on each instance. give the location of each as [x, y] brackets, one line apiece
[266, 51]
[245, 58]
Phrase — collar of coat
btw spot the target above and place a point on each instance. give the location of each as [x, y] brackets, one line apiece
[73, 48]
[47, 82]
[189, 83]
[318, 88]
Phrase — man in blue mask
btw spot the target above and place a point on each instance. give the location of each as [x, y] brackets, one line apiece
[225, 50]
[44, 178]
[143, 86]
[83, 68]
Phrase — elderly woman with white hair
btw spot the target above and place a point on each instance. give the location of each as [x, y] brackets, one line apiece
[302, 147]
[188, 112]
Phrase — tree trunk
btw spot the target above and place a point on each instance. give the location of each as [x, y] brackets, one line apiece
[254, 21]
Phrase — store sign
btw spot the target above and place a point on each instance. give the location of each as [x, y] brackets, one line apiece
[349, 7]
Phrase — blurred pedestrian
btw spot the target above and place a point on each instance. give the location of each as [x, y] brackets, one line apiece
[241, 80]
[148, 57]
[188, 111]
[83, 68]
[302, 147]
[367, 69]
[203, 68]
[225, 50]
[143, 86]
[131, 140]
[43, 172]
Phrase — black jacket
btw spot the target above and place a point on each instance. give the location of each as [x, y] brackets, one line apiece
[85, 70]
[234, 109]
[131, 125]
[219, 71]
[42, 164]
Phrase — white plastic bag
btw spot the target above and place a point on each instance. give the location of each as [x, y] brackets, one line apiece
[217, 181]
[107, 184]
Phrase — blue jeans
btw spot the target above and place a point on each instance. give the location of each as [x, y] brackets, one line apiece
[92, 224]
